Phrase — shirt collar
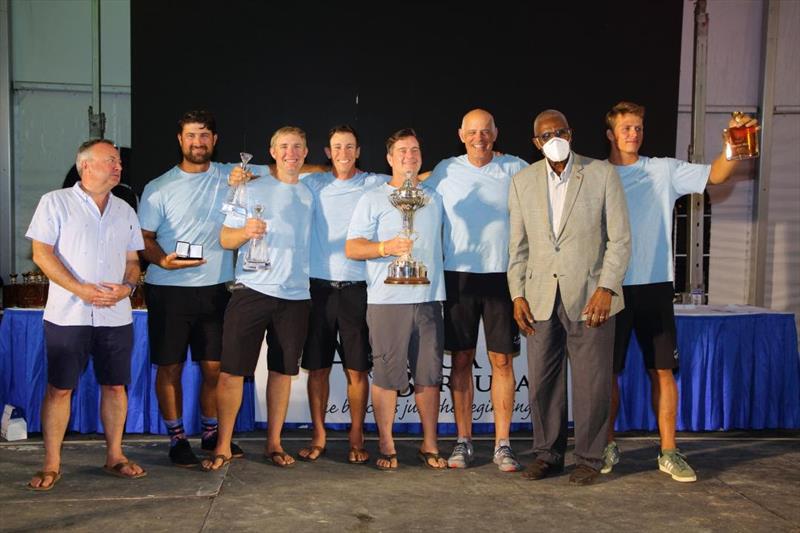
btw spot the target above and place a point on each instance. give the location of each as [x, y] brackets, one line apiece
[564, 175]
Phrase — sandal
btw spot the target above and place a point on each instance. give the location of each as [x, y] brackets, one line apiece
[208, 464]
[116, 470]
[426, 458]
[55, 476]
[352, 457]
[271, 456]
[319, 450]
[388, 457]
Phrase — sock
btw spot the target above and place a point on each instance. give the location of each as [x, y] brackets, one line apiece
[175, 431]
[465, 440]
[209, 426]
[502, 442]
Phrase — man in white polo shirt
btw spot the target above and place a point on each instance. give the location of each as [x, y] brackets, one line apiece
[85, 241]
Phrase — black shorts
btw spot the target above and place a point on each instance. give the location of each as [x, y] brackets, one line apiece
[650, 314]
[185, 317]
[471, 297]
[249, 314]
[69, 348]
[337, 307]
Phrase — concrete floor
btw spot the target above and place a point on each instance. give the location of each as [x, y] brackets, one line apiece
[746, 482]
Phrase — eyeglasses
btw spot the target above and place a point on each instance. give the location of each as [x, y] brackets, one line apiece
[561, 133]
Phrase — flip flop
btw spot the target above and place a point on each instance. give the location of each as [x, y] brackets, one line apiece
[207, 466]
[44, 475]
[271, 456]
[388, 457]
[426, 458]
[116, 470]
[320, 450]
[354, 451]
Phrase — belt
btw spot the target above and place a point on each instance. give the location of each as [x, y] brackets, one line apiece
[329, 284]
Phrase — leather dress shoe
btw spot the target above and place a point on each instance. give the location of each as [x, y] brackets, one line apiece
[583, 475]
[540, 469]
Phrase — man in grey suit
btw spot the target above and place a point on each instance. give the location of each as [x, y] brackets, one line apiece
[569, 248]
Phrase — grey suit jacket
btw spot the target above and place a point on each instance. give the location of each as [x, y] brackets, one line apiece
[591, 249]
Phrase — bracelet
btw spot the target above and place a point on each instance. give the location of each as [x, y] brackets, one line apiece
[131, 286]
[381, 249]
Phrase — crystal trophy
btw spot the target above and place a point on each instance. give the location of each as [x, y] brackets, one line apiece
[236, 201]
[257, 256]
[405, 270]
[741, 142]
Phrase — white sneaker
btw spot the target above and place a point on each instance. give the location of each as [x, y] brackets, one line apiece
[462, 455]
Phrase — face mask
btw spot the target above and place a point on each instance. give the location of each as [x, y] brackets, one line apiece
[556, 149]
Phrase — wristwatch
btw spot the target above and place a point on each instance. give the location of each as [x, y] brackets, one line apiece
[131, 286]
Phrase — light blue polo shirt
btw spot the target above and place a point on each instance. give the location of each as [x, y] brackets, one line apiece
[183, 206]
[475, 201]
[287, 212]
[375, 219]
[334, 203]
[652, 186]
[92, 246]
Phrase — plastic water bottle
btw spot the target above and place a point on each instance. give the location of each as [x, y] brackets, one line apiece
[696, 296]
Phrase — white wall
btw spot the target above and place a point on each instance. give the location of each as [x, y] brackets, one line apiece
[51, 74]
[733, 82]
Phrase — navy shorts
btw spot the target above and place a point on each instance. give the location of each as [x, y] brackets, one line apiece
[251, 313]
[338, 323]
[69, 349]
[472, 297]
[650, 314]
[185, 317]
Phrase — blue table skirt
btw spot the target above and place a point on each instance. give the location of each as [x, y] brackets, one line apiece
[737, 372]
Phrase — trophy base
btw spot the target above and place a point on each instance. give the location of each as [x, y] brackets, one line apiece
[407, 272]
[252, 266]
[407, 281]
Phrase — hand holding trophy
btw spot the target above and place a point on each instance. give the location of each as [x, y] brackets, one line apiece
[405, 270]
[236, 201]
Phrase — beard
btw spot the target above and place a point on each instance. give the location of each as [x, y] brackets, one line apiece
[198, 157]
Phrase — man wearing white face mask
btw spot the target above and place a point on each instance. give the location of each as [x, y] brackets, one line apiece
[569, 247]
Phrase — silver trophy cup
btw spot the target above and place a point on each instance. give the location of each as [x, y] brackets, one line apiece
[405, 270]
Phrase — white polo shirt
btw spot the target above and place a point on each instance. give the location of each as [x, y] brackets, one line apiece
[92, 246]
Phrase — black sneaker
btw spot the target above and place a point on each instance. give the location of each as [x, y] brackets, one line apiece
[210, 444]
[182, 455]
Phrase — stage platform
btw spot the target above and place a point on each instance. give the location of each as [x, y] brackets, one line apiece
[747, 481]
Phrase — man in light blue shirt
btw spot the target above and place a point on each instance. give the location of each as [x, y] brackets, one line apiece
[186, 298]
[652, 186]
[338, 294]
[405, 321]
[85, 241]
[474, 189]
[275, 299]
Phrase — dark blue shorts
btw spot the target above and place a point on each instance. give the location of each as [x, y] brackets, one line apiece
[69, 348]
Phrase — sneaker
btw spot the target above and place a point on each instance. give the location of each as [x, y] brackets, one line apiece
[182, 455]
[210, 444]
[610, 457]
[462, 455]
[505, 459]
[673, 462]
